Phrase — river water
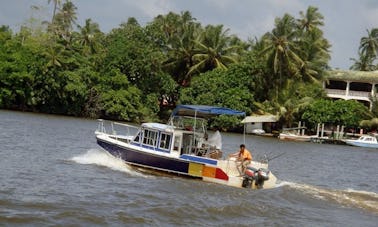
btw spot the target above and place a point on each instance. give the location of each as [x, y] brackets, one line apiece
[52, 172]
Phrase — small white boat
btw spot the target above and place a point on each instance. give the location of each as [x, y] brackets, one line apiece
[294, 137]
[364, 141]
[183, 147]
[295, 134]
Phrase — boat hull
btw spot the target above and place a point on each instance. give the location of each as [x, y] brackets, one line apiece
[360, 144]
[283, 136]
[147, 160]
[364, 141]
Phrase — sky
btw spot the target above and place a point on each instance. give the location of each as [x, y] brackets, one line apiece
[346, 21]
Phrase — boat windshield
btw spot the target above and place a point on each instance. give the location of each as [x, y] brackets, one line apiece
[189, 123]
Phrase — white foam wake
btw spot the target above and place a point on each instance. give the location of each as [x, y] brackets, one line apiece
[349, 197]
[102, 158]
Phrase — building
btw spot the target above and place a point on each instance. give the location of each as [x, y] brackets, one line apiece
[356, 85]
[254, 124]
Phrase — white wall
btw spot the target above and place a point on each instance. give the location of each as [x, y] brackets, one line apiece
[251, 126]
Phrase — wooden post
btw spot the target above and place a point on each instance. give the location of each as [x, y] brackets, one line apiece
[322, 133]
[303, 130]
[299, 128]
[337, 131]
[341, 131]
[318, 130]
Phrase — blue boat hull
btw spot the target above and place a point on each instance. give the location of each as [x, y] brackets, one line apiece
[147, 160]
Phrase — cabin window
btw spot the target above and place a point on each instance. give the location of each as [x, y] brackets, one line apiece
[176, 145]
[165, 141]
[150, 137]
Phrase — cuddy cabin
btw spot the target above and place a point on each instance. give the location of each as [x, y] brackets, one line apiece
[368, 139]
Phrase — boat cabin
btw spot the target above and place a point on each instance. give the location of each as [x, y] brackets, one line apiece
[368, 139]
[182, 136]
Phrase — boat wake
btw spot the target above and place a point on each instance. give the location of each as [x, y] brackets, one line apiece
[102, 158]
[349, 197]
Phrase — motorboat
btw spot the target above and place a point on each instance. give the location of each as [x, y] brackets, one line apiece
[364, 141]
[258, 131]
[294, 137]
[183, 147]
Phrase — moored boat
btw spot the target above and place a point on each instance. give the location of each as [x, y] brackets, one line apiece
[294, 137]
[182, 147]
[364, 141]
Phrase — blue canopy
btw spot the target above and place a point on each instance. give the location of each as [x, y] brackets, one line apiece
[203, 111]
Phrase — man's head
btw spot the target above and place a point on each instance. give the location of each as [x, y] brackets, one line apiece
[242, 146]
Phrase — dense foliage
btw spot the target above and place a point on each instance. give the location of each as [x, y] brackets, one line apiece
[341, 112]
[139, 73]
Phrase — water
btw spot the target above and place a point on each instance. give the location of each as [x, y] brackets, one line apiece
[53, 173]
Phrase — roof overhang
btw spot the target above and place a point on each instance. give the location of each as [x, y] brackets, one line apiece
[260, 118]
[350, 75]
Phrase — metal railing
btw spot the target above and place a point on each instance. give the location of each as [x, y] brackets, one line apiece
[351, 93]
[130, 130]
[364, 94]
[336, 92]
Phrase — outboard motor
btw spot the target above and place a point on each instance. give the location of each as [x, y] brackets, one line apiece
[258, 175]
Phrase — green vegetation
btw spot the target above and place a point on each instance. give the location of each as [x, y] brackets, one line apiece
[139, 73]
[368, 52]
[340, 112]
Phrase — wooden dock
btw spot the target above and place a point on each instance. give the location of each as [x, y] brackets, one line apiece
[326, 140]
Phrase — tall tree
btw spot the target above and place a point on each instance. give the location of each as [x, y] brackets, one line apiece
[215, 49]
[64, 21]
[57, 3]
[314, 47]
[310, 20]
[369, 44]
[179, 32]
[88, 37]
[368, 52]
[364, 63]
[282, 50]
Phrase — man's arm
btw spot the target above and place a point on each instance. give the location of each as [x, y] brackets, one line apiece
[234, 155]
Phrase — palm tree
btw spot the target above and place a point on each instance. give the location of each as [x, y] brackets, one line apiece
[283, 55]
[281, 49]
[180, 33]
[53, 56]
[364, 63]
[215, 49]
[87, 36]
[57, 3]
[64, 21]
[314, 47]
[311, 20]
[315, 55]
[369, 44]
